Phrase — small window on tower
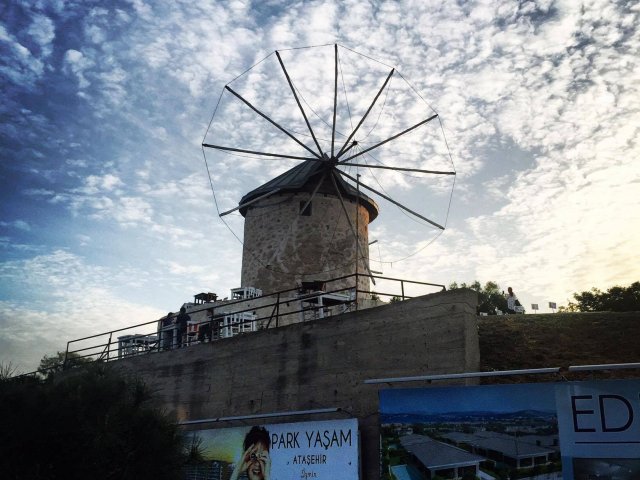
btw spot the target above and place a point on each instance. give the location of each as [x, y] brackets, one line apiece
[305, 212]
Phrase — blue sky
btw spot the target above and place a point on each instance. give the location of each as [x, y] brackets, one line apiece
[487, 398]
[107, 217]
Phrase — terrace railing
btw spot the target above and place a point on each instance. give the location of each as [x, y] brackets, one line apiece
[266, 311]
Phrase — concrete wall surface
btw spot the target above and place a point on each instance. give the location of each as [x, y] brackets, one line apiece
[318, 364]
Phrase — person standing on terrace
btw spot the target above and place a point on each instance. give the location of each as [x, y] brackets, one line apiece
[181, 322]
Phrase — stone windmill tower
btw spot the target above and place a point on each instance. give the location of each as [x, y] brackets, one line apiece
[306, 225]
[356, 130]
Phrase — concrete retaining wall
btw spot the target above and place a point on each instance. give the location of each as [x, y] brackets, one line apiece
[319, 364]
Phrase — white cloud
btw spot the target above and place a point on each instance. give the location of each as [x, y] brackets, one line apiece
[80, 163]
[142, 9]
[42, 30]
[107, 182]
[176, 268]
[84, 240]
[17, 224]
[77, 64]
[72, 299]
[132, 211]
[22, 68]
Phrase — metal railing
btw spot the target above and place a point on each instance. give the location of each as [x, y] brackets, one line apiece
[266, 311]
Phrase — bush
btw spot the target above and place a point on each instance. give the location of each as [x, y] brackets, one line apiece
[92, 423]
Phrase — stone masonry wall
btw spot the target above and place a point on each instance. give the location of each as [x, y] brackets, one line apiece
[280, 244]
[318, 364]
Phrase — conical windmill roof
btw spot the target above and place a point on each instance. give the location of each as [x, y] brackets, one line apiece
[304, 178]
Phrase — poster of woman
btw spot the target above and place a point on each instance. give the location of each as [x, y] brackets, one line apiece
[306, 450]
[255, 463]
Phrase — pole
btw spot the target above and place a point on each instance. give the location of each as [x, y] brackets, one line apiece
[357, 234]
[66, 356]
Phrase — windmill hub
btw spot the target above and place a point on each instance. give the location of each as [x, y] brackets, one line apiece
[332, 160]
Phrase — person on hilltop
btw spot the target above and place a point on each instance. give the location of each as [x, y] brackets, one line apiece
[512, 300]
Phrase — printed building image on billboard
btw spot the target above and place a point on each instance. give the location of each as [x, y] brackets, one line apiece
[485, 432]
[605, 469]
[323, 450]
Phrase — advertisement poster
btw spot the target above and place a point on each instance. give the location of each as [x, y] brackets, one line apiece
[600, 429]
[542, 431]
[484, 432]
[325, 450]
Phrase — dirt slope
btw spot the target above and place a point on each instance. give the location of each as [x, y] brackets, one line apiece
[514, 342]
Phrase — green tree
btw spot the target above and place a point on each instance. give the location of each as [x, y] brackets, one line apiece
[51, 364]
[7, 370]
[194, 451]
[571, 307]
[490, 297]
[89, 423]
[615, 299]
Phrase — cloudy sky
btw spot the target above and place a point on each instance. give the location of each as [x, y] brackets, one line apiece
[107, 214]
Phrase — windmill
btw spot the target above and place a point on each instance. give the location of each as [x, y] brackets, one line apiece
[324, 134]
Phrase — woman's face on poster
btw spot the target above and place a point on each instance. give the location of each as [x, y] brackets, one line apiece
[257, 461]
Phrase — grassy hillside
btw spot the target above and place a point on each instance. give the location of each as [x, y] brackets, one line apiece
[513, 342]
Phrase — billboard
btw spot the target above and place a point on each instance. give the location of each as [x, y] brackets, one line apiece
[600, 429]
[323, 450]
[545, 431]
[490, 431]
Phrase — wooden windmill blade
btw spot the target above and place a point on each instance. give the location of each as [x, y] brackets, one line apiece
[301, 125]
